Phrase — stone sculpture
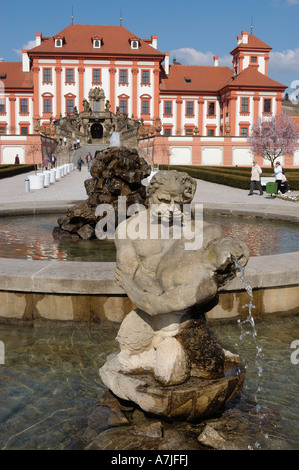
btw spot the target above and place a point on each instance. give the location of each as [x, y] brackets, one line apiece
[115, 171]
[169, 362]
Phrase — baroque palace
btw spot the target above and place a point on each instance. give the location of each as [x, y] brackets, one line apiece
[89, 80]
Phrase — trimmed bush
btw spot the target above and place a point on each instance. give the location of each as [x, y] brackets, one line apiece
[11, 170]
[236, 177]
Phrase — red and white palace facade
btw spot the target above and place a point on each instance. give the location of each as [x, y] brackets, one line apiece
[206, 112]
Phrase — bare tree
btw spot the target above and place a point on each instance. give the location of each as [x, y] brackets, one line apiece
[274, 137]
[33, 149]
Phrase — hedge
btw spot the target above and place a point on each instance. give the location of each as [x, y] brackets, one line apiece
[11, 170]
[236, 177]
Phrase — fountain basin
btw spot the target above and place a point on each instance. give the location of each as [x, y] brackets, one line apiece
[35, 290]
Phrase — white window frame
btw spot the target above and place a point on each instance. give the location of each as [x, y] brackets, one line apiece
[58, 42]
[97, 46]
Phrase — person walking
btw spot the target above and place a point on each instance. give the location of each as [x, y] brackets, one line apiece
[46, 162]
[256, 172]
[278, 173]
[88, 161]
[53, 160]
[79, 163]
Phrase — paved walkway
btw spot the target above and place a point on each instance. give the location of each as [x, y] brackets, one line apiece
[70, 189]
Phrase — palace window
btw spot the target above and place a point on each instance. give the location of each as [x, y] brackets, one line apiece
[244, 131]
[253, 59]
[267, 105]
[167, 131]
[24, 130]
[69, 77]
[96, 43]
[123, 106]
[134, 43]
[145, 107]
[244, 105]
[211, 109]
[47, 105]
[2, 105]
[189, 131]
[145, 77]
[58, 43]
[24, 106]
[96, 76]
[2, 129]
[123, 77]
[47, 75]
[167, 108]
[145, 104]
[189, 108]
[69, 106]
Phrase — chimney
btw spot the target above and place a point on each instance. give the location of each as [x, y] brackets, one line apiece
[244, 37]
[38, 39]
[239, 39]
[25, 61]
[155, 42]
[166, 63]
[215, 58]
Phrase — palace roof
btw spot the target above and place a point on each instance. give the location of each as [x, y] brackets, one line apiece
[195, 78]
[12, 76]
[78, 39]
[252, 78]
[200, 78]
[253, 44]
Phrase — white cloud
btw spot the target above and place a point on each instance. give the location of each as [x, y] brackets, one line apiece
[281, 63]
[293, 2]
[284, 62]
[28, 45]
[190, 56]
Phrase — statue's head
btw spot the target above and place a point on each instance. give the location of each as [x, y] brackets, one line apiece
[170, 190]
[171, 187]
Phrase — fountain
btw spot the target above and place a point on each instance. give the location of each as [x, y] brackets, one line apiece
[170, 364]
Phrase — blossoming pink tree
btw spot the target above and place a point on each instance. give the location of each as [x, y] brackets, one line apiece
[274, 137]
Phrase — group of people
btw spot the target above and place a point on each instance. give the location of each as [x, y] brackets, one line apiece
[49, 162]
[88, 160]
[279, 175]
[64, 140]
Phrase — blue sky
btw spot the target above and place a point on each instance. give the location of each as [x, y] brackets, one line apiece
[193, 31]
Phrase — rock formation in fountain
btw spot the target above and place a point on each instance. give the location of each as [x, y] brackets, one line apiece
[115, 171]
[170, 363]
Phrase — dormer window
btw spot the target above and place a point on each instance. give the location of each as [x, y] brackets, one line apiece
[58, 41]
[97, 42]
[135, 43]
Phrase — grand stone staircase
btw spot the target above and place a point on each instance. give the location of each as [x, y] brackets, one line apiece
[64, 155]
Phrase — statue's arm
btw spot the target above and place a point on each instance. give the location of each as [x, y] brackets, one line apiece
[199, 289]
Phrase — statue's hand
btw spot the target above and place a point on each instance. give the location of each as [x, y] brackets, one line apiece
[225, 255]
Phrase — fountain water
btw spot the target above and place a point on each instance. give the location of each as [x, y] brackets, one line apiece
[250, 319]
